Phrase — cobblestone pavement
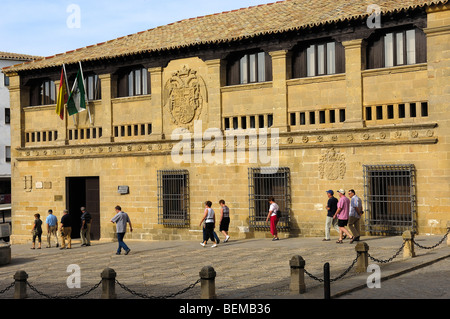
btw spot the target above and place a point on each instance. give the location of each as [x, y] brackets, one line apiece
[431, 282]
[246, 269]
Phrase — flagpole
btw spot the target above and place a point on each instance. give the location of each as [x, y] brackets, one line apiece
[85, 97]
[67, 86]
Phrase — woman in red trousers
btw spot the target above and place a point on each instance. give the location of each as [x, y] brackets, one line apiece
[272, 216]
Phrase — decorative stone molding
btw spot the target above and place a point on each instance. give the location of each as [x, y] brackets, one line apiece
[327, 138]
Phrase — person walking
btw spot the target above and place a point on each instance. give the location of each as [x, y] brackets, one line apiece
[52, 228]
[214, 233]
[354, 215]
[66, 230]
[37, 230]
[224, 220]
[121, 219]
[273, 217]
[342, 215]
[331, 210]
[210, 219]
[85, 232]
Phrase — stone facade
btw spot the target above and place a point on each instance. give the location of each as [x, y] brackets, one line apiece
[320, 155]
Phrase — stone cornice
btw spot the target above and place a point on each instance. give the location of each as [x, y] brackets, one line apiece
[435, 31]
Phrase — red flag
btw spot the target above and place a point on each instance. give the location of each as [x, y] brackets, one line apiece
[62, 96]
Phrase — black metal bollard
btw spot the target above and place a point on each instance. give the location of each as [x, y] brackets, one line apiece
[326, 281]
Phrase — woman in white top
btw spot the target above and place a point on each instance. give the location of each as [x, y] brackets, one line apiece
[210, 219]
[272, 216]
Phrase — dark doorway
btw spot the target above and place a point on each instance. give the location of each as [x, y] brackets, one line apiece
[83, 191]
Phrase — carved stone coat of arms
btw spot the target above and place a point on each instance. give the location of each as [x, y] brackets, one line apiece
[184, 96]
[332, 165]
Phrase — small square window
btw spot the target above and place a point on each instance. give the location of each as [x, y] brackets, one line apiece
[368, 113]
[424, 108]
[401, 111]
[342, 115]
[332, 116]
[293, 119]
[322, 117]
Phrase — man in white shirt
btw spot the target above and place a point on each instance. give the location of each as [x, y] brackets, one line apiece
[354, 215]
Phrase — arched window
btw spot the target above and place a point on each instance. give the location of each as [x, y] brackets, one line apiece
[133, 82]
[396, 47]
[42, 92]
[250, 67]
[318, 58]
[93, 87]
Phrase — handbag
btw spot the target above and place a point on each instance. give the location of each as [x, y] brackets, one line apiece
[279, 215]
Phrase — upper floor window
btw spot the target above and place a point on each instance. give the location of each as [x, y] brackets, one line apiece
[321, 58]
[6, 80]
[7, 115]
[400, 47]
[93, 87]
[42, 92]
[249, 68]
[133, 82]
[8, 154]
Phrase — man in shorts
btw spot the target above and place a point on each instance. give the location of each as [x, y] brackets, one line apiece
[342, 214]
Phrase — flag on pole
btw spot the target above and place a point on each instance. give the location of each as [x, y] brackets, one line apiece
[62, 96]
[77, 97]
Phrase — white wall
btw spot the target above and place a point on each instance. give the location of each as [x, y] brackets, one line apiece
[5, 133]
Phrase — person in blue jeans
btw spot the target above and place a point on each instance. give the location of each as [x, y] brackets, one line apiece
[121, 219]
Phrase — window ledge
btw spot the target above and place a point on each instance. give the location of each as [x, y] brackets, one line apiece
[250, 86]
[395, 69]
[38, 108]
[317, 79]
[131, 98]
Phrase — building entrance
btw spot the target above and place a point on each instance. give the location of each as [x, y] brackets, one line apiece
[83, 191]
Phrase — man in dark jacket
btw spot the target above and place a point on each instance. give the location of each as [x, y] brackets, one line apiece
[331, 210]
[85, 231]
[66, 230]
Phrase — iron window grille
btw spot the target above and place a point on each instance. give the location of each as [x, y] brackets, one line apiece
[263, 184]
[390, 198]
[173, 198]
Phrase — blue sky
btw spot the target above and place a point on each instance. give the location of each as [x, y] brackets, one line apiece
[40, 27]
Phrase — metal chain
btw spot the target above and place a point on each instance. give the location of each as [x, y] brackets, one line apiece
[338, 277]
[440, 242]
[142, 295]
[63, 297]
[387, 260]
[348, 269]
[145, 296]
[7, 288]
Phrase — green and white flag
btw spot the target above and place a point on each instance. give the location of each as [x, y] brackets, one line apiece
[77, 98]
